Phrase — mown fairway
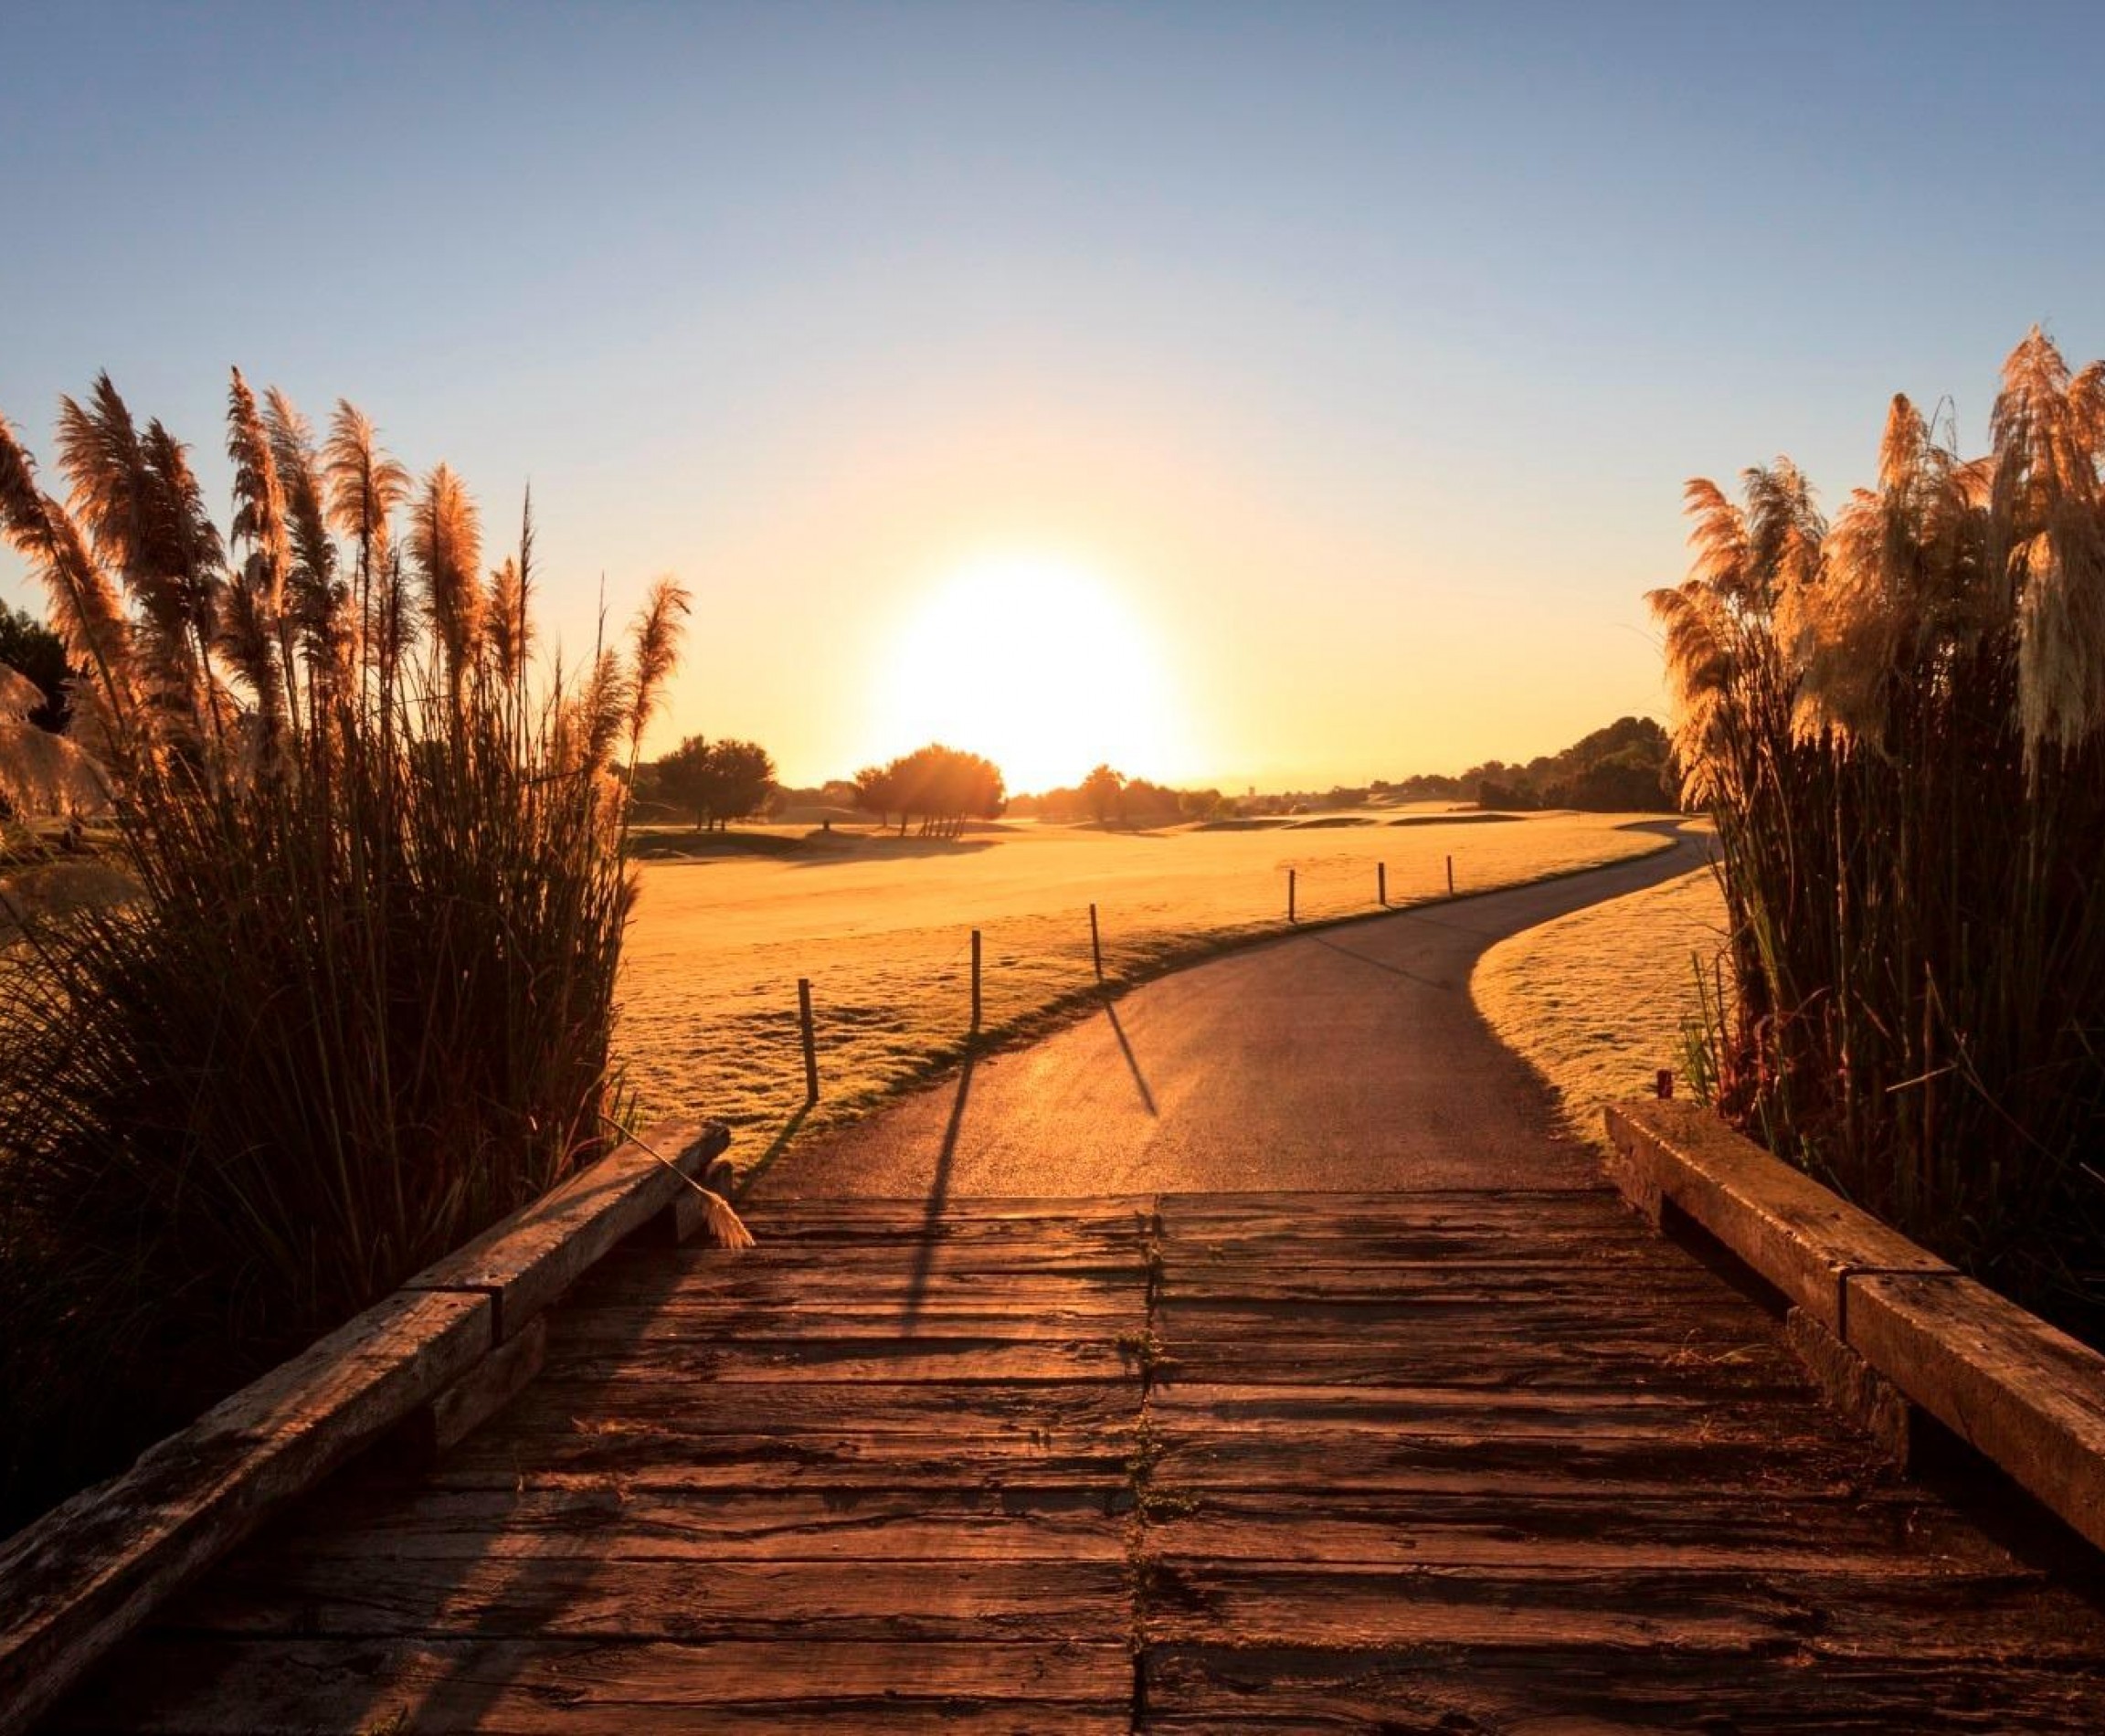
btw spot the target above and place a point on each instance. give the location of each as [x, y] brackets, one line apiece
[883, 929]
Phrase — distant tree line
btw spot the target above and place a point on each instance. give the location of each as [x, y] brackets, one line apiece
[1628, 766]
[942, 787]
[1111, 798]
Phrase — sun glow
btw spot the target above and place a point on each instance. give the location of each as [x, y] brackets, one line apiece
[1037, 663]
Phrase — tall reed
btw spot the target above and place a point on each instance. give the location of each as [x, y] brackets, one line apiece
[362, 1003]
[1896, 720]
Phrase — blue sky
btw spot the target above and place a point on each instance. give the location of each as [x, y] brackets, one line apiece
[1361, 352]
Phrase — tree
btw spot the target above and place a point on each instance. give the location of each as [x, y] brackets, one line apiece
[1494, 793]
[944, 785]
[1144, 802]
[1102, 790]
[874, 793]
[743, 777]
[717, 782]
[682, 778]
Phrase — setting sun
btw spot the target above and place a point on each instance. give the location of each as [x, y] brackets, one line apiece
[1036, 663]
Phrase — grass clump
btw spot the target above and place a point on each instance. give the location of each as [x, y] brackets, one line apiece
[360, 999]
[1898, 720]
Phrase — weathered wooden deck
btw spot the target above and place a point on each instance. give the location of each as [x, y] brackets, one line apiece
[1453, 1461]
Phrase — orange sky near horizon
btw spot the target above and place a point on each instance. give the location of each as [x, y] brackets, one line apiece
[1270, 629]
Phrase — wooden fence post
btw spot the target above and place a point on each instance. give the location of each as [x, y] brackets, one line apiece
[1450, 876]
[810, 1043]
[1096, 944]
[1290, 896]
[974, 980]
[1381, 883]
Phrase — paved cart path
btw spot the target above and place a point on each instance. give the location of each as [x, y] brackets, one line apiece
[1347, 1057]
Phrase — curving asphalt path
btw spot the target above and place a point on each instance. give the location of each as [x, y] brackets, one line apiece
[1351, 1058]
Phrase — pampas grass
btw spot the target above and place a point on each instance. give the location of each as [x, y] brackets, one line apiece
[1899, 721]
[361, 1001]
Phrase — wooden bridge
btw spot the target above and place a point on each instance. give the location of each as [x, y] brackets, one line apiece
[1450, 1461]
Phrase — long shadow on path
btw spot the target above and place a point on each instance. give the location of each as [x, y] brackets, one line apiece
[1132, 1061]
[938, 1195]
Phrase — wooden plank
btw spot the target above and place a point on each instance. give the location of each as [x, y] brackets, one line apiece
[1504, 1361]
[902, 1256]
[842, 1457]
[616, 1596]
[1117, 1233]
[889, 1215]
[778, 1526]
[77, 1581]
[610, 1521]
[675, 1408]
[1831, 1611]
[1896, 1534]
[1657, 1316]
[906, 1252]
[531, 1258]
[185, 1686]
[1703, 1318]
[1362, 1609]
[857, 1361]
[1499, 1461]
[898, 1288]
[1618, 1239]
[2030, 1397]
[1520, 1209]
[1494, 1260]
[1798, 1235]
[1347, 1206]
[692, 1320]
[1426, 1410]
[1490, 1222]
[1444, 1689]
[740, 1281]
[1475, 1282]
